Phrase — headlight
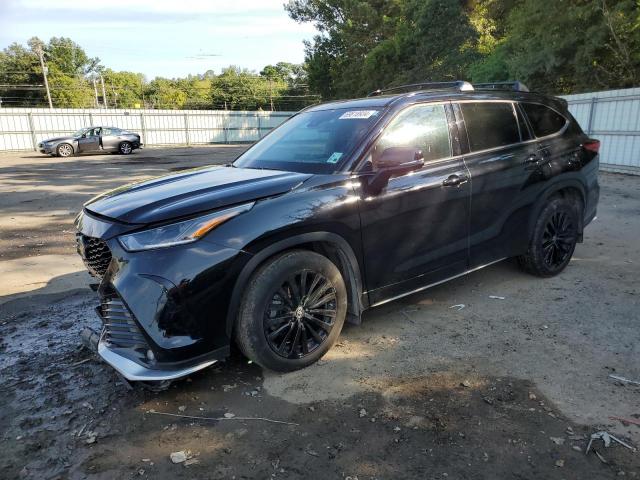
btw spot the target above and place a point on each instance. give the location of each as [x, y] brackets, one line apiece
[181, 232]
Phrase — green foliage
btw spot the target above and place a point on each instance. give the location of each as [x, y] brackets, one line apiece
[124, 89]
[73, 74]
[239, 89]
[559, 47]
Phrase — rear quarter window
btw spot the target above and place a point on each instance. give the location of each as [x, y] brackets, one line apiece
[490, 125]
[543, 120]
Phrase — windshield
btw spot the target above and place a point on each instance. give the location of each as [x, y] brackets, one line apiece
[311, 142]
[79, 132]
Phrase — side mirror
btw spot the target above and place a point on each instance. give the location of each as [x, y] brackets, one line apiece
[84, 135]
[400, 160]
[393, 162]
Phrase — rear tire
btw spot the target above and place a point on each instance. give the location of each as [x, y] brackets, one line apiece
[292, 312]
[125, 148]
[554, 238]
[64, 150]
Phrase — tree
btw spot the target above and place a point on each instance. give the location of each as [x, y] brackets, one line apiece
[20, 72]
[239, 89]
[164, 93]
[349, 30]
[579, 45]
[124, 89]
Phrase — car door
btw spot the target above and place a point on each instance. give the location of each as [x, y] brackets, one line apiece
[90, 141]
[502, 160]
[415, 231]
[109, 139]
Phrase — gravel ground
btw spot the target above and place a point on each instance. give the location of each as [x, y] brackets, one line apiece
[498, 389]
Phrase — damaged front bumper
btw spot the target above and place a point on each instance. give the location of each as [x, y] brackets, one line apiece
[124, 346]
[135, 372]
[164, 311]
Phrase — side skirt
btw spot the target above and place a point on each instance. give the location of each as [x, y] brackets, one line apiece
[382, 302]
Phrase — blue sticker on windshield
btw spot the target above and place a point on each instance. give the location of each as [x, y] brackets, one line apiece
[335, 156]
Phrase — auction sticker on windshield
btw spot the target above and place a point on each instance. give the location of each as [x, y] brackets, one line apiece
[357, 114]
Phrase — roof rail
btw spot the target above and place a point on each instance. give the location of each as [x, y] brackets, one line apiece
[515, 86]
[458, 85]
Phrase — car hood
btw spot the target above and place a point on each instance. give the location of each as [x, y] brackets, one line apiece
[191, 192]
[58, 139]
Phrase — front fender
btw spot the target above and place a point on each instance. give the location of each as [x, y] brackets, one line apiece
[342, 246]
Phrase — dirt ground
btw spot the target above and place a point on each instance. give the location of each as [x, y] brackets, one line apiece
[508, 388]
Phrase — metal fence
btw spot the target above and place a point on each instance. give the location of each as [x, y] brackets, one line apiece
[23, 128]
[613, 117]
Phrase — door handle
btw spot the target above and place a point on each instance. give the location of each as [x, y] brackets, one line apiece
[455, 180]
[532, 162]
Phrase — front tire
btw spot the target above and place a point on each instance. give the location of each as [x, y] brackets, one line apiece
[292, 312]
[125, 148]
[64, 150]
[554, 238]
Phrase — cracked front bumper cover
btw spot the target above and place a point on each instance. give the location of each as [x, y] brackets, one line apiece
[135, 372]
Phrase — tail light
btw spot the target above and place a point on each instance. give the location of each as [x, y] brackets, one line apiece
[592, 145]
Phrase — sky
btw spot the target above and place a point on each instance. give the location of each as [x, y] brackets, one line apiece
[167, 38]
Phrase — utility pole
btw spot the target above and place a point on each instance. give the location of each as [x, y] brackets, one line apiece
[271, 93]
[104, 93]
[40, 54]
[115, 97]
[95, 91]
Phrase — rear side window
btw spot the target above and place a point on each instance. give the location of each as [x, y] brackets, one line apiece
[490, 125]
[543, 120]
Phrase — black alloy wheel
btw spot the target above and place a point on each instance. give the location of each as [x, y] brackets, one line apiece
[554, 238]
[301, 314]
[292, 311]
[558, 239]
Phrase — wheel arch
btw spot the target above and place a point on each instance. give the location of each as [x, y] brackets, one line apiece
[571, 189]
[329, 244]
[73, 144]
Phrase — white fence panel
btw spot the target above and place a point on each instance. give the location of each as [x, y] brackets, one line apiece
[613, 117]
[23, 128]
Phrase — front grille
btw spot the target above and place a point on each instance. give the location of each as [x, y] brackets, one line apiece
[120, 329]
[95, 253]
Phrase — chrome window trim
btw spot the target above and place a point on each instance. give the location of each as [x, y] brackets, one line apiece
[526, 142]
[535, 139]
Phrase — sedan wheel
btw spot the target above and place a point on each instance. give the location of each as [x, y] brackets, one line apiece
[125, 148]
[65, 150]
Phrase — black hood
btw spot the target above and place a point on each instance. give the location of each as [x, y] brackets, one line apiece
[190, 192]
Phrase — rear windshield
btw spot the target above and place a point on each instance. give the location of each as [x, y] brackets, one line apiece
[311, 142]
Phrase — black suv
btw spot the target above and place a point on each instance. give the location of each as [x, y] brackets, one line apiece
[345, 206]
